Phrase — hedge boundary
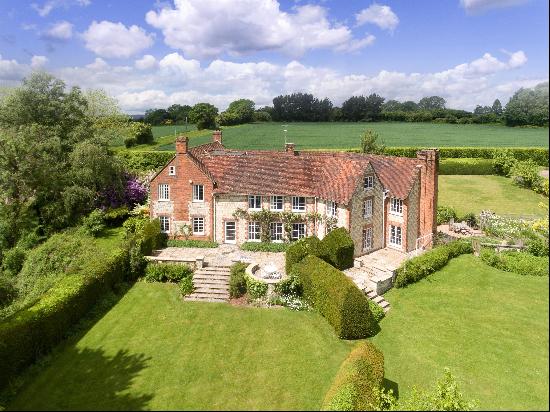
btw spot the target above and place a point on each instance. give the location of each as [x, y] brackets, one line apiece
[34, 331]
[336, 298]
[415, 269]
[358, 381]
[466, 166]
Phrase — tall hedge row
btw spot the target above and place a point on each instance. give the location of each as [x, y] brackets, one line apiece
[417, 268]
[35, 330]
[466, 166]
[358, 381]
[144, 160]
[336, 298]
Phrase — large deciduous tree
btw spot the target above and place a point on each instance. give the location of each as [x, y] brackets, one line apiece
[204, 116]
[432, 103]
[528, 107]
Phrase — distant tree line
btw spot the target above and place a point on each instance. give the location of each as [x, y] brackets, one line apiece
[526, 107]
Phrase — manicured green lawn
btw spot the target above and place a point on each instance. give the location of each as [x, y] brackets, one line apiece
[154, 351]
[340, 135]
[475, 193]
[489, 327]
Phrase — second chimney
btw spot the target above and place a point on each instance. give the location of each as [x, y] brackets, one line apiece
[182, 143]
[217, 136]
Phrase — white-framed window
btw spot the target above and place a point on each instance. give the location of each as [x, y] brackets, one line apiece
[298, 204]
[254, 232]
[367, 208]
[369, 182]
[198, 193]
[298, 231]
[164, 191]
[395, 235]
[164, 224]
[276, 203]
[172, 170]
[198, 225]
[254, 202]
[276, 229]
[331, 209]
[396, 206]
[367, 239]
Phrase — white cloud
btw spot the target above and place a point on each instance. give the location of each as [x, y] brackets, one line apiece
[108, 39]
[146, 62]
[175, 79]
[210, 28]
[38, 62]
[62, 30]
[382, 16]
[49, 5]
[479, 6]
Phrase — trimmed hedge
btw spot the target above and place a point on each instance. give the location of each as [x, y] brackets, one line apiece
[417, 268]
[256, 288]
[518, 262]
[205, 244]
[466, 166]
[265, 247]
[336, 298]
[300, 249]
[167, 272]
[237, 282]
[144, 161]
[358, 381]
[34, 331]
[338, 248]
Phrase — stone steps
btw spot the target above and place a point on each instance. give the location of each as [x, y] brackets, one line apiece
[376, 298]
[211, 284]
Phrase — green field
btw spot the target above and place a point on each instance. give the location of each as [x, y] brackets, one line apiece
[154, 351]
[159, 131]
[347, 135]
[496, 193]
[489, 327]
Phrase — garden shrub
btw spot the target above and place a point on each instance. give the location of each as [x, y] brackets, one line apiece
[8, 292]
[376, 311]
[526, 174]
[538, 246]
[265, 246]
[116, 216]
[186, 286]
[12, 260]
[445, 214]
[503, 162]
[94, 223]
[142, 243]
[205, 244]
[237, 282]
[419, 267]
[256, 288]
[167, 272]
[130, 141]
[300, 249]
[336, 298]
[290, 286]
[542, 187]
[518, 262]
[144, 161]
[358, 381]
[135, 223]
[471, 220]
[466, 166]
[337, 248]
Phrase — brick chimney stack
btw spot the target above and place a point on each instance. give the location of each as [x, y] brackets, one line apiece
[182, 144]
[428, 190]
[290, 148]
[217, 136]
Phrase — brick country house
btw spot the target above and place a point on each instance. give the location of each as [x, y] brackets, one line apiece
[383, 201]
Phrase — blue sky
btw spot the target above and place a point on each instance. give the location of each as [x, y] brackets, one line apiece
[156, 53]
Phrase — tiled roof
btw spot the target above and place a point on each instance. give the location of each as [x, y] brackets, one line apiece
[328, 175]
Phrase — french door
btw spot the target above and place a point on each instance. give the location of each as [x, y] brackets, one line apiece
[230, 232]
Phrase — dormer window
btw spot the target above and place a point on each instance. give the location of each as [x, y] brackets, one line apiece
[369, 182]
[298, 204]
[254, 202]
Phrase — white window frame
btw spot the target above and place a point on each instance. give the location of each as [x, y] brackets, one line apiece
[254, 232]
[368, 182]
[332, 209]
[164, 224]
[396, 236]
[367, 239]
[171, 170]
[367, 208]
[276, 235]
[298, 204]
[225, 239]
[396, 206]
[255, 200]
[198, 222]
[273, 202]
[164, 192]
[198, 193]
[298, 231]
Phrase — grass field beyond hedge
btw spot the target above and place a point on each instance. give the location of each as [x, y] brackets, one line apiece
[342, 135]
[154, 351]
[470, 193]
[489, 327]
